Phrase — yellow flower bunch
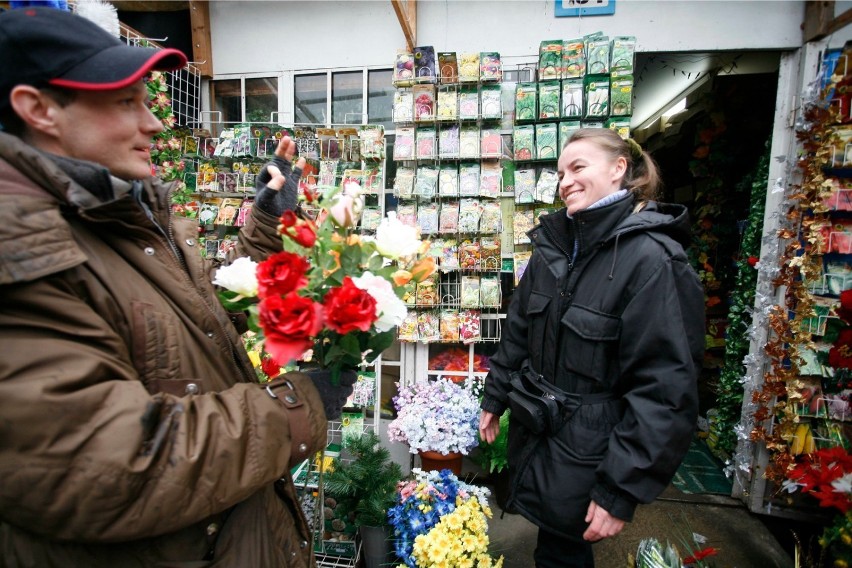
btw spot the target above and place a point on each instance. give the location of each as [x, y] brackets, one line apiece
[459, 540]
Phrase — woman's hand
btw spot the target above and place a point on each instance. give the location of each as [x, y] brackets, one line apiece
[278, 175]
[489, 426]
[601, 523]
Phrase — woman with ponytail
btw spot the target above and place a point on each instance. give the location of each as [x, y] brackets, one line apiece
[610, 312]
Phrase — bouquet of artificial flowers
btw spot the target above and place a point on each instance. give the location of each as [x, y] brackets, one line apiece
[440, 416]
[441, 521]
[331, 292]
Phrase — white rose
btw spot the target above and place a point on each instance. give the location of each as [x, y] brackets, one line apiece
[395, 239]
[390, 310]
[240, 277]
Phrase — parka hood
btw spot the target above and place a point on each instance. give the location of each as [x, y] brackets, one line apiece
[671, 219]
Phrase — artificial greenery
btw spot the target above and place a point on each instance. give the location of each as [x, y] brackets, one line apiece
[494, 457]
[364, 487]
[730, 388]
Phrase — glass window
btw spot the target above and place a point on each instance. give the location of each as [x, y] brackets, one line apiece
[227, 99]
[347, 97]
[310, 98]
[261, 98]
[380, 97]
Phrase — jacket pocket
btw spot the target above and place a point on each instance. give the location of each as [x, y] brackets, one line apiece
[537, 320]
[590, 340]
[155, 346]
[585, 437]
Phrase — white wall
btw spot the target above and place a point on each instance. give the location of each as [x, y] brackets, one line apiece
[271, 36]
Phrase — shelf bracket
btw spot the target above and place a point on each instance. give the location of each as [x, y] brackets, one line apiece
[406, 13]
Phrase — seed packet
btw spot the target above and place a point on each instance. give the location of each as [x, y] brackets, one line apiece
[542, 211]
[327, 173]
[838, 277]
[424, 65]
[243, 214]
[469, 254]
[596, 89]
[351, 145]
[489, 291]
[468, 67]
[565, 130]
[403, 185]
[549, 60]
[525, 101]
[403, 107]
[469, 141]
[426, 182]
[403, 148]
[546, 186]
[449, 325]
[489, 179]
[227, 181]
[427, 292]
[572, 98]
[427, 218]
[620, 125]
[468, 103]
[548, 100]
[425, 146]
[448, 141]
[408, 327]
[371, 217]
[429, 326]
[209, 210]
[522, 222]
[525, 186]
[407, 214]
[329, 144]
[403, 69]
[450, 255]
[470, 285]
[469, 326]
[372, 138]
[489, 253]
[424, 102]
[226, 245]
[508, 174]
[521, 260]
[597, 54]
[490, 67]
[469, 212]
[374, 180]
[622, 54]
[491, 217]
[448, 69]
[449, 222]
[621, 94]
[448, 104]
[448, 181]
[469, 179]
[435, 248]
[573, 59]
[307, 144]
[491, 102]
[523, 141]
[490, 143]
[228, 211]
[545, 141]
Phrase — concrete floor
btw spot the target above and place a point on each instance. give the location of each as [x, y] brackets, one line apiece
[742, 539]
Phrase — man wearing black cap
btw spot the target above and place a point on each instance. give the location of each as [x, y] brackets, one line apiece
[132, 429]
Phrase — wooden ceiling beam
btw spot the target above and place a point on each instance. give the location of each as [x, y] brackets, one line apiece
[202, 51]
[406, 13]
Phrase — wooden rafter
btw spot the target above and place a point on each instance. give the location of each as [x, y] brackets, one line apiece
[202, 53]
[406, 13]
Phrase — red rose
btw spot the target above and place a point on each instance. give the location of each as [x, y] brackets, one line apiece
[288, 219]
[752, 261]
[348, 308]
[845, 309]
[303, 234]
[270, 368]
[281, 274]
[289, 324]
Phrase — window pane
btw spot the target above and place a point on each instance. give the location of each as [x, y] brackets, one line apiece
[380, 97]
[261, 98]
[310, 98]
[226, 99]
[347, 97]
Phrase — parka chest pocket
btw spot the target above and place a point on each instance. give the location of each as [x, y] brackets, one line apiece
[537, 306]
[590, 341]
[155, 346]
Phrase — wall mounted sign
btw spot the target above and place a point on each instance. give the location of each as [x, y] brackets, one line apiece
[577, 8]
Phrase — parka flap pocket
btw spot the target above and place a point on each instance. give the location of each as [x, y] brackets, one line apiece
[590, 324]
[537, 303]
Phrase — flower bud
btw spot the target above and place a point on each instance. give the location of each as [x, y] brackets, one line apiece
[401, 277]
[424, 268]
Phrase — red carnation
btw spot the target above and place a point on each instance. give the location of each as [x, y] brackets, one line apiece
[289, 324]
[270, 368]
[348, 308]
[281, 274]
[302, 231]
[752, 261]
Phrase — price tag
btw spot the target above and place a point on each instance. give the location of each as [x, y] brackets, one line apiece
[576, 8]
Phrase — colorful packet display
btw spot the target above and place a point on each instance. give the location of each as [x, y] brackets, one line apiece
[448, 141]
[424, 102]
[491, 102]
[490, 177]
[403, 185]
[450, 255]
[469, 326]
[573, 59]
[468, 67]
[520, 259]
[522, 222]
[490, 67]
[449, 222]
[490, 143]
[525, 186]
[491, 217]
[550, 60]
[470, 285]
[469, 141]
[448, 181]
[470, 211]
[523, 140]
[403, 69]
[489, 291]
[450, 324]
[526, 104]
[403, 148]
[546, 186]
[448, 104]
[424, 65]
[372, 139]
[427, 218]
[489, 253]
[548, 99]
[621, 94]
[572, 98]
[469, 179]
[425, 143]
[408, 328]
[426, 182]
[448, 68]
[403, 107]
[545, 141]
[427, 292]
[469, 254]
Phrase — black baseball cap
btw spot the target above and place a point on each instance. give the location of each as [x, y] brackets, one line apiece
[46, 46]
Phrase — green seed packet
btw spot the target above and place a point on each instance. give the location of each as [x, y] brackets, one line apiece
[621, 95]
[597, 96]
[548, 100]
[525, 101]
[573, 59]
[622, 53]
[546, 141]
[572, 98]
[550, 60]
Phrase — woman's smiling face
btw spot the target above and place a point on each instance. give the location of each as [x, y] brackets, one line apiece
[587, 174]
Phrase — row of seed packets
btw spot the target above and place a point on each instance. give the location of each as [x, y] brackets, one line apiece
[467, 180]
[594, 53]
[523, 221]
[593, 96]
[425, 103]
[471, 291]
[532, 189]
[467, 215]
[423, 65]
[334, 173]
[471, 254]
[450, 141]
[444, 325]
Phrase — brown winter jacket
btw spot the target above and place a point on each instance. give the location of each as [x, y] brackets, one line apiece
[132, 429]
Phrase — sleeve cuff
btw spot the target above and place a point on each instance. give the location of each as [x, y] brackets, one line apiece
[616, 503]
[492, 405]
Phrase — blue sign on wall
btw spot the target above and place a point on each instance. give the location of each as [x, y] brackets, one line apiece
[575, 8]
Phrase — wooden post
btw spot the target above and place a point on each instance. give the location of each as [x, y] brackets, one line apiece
[407, 16]
[202, 54]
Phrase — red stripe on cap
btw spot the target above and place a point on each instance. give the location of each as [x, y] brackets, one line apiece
[127, 81]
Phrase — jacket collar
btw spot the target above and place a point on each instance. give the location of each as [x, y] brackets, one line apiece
[589, 227]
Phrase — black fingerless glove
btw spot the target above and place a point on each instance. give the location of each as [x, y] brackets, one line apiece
[277, 202]
[333, 396]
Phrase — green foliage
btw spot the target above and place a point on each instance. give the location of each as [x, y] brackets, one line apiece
[494, 457]
[365, 488]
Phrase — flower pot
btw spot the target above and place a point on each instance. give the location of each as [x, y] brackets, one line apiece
[437, 461]
[377, 546]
